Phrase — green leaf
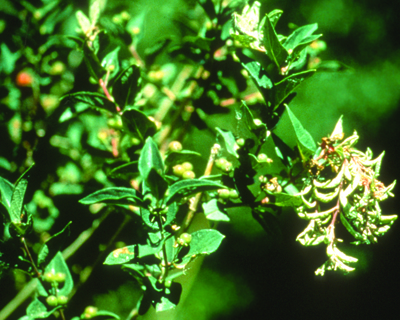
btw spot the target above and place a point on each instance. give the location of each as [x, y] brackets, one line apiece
[275, 50]
[338, 131]
[113, 195]
[147, 217]
[127, 86]
[53, 245]
[299, 35]
[94, 11]
[198, 42]
[40, 289]
[111, 59]
[37, 310]
[165, 304]
[92, 99]
[229, 141]
[125, 169]
[213, 212]
[180, 157]
[305, 141]
[185, 188]
[274, 16]
[108, 314]
[8, 59]
[287, 200]
[44, 251]
[17, 201]
[287, 85]
[349, 228]
[247, 129]
[204, 242]
[258, 74]
[122, 255]
[6, 190]
[150, 158]
[83, 21]
[57, 264]
[156, 184]
[128, 253]
[19, 218]
[136, 122]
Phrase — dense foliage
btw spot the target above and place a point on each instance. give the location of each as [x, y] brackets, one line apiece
[156, 148]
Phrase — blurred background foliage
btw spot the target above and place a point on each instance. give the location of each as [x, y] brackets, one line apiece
[253, 272]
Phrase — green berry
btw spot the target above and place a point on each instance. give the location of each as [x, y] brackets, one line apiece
[185, 239]
[49, 277]
[178, 170]
[90, 312]
[188, 175]
[168, 283]
[52, 301]
[233, 194]
[240, 142]
[187, 166]
[223, 193]
[62, 299]
[220, 163]
[60, 277]
[175, 146]
[227, 167]
[257, 122]
[262, 157]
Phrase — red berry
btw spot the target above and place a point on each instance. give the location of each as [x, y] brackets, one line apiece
[24, 79]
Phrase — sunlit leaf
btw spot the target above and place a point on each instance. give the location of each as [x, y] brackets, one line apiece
[185, 188]
[299, 35]
[113, 195]
[274, 49]
[204, 242]
[287, 85]
[110, 62]
[305, 141]
[138, 124]
[127, 86]
[92, 100]
[57, 264]
[228, 141]
[180, 157]
[213, 212]
[150, 158]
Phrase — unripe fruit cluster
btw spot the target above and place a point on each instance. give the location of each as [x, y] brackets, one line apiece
[223, 164]
[184, 170]
[184, 239]
[228, 194]
[54, 301]
[54, 277]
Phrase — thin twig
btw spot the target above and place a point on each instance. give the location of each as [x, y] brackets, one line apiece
[30, 257]
[100, 257]
[29, 288]
[193, 206]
